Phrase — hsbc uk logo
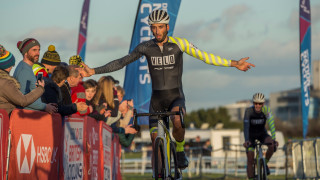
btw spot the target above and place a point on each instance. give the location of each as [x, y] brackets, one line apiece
[26, 153]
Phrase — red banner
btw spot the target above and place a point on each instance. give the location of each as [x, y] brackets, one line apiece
[4, 128]
[35, 146]
[92, 148]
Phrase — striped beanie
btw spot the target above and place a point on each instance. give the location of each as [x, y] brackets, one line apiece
[6, 58]
[51, 57]
[27, 44]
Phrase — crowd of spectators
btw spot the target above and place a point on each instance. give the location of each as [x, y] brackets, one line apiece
[57, 87]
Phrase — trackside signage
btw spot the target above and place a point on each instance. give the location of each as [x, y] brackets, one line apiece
[32, 153]
[106, 158]
[4, 127]
[73, 148]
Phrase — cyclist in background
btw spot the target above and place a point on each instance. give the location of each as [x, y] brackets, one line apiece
[255, 119]
[164, 55]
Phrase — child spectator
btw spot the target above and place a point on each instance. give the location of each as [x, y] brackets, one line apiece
[77, 90]
[90, 87]
[106, 98]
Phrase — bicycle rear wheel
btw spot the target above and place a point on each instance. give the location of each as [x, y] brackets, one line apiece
[158, 163]
[174, 170]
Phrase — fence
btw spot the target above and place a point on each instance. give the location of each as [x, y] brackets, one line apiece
[295, 160]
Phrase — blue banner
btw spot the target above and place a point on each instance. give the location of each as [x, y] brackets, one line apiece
[82, 39]
[137, 83]
[305, 61]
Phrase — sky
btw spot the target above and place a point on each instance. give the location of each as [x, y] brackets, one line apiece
[265, 31]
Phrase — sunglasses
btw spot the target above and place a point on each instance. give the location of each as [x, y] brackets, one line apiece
[258, 104]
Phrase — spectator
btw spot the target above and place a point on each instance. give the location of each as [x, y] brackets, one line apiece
[77, 91]
[90, 87]
[53, 94]
[10, 95]
[106, 98]
[126, 107]
[49, 62]
[30, 50]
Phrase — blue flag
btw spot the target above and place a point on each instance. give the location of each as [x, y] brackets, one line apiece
[137, 83]
[305, 61]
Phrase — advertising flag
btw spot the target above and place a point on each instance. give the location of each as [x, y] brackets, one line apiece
[305, 60]
[82, 39]
[137, 83]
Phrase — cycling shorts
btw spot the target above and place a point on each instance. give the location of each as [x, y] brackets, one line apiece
[165, 100]
[261, 137]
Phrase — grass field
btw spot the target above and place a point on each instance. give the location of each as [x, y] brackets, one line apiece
[185, 176]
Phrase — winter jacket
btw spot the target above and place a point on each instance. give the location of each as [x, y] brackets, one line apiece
[11, 96]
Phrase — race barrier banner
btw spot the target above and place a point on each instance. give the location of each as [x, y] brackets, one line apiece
[42, 148]
[105, 152]
[35, 145]
[116, 154]
[92, 134]
[73, 148]
[4, 128]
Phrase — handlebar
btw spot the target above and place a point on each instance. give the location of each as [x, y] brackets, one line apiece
[159, 115]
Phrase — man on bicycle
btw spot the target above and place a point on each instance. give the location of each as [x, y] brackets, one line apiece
[164, 56]
[255, 118]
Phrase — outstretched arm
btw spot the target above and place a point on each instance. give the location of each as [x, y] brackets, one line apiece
[242, 64]
[113, 65]
[189, 48]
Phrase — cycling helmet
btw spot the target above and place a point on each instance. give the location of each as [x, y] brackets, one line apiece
[258, 98]
[159, 16]
[75, 60]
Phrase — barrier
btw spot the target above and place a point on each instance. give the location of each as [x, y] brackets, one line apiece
[41, 148]
[105, 151]
[4, 128]
[73, 148]
[35, 146]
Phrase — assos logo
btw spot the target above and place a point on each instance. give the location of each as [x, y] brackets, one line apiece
[26, 153]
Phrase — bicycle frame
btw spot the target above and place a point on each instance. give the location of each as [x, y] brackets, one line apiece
[163, 135]
[258, 158]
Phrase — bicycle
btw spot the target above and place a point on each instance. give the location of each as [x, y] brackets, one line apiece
[164, 145]
[260, 161]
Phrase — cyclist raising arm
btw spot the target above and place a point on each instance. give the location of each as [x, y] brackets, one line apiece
[255, 119]
[164, 55]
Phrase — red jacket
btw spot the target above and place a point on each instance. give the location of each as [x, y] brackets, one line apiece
[78, 95]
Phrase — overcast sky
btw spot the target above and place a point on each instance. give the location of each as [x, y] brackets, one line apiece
[265, 31]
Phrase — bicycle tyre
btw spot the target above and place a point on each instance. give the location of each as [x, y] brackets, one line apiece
[158, 174]
[174, 162]
[262, 170]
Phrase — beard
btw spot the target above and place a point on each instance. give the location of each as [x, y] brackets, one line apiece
[163, 37]
[33, 59]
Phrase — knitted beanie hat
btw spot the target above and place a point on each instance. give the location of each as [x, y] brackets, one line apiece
[51, 56]
[6, 58]
[75, 60]
[27, 44]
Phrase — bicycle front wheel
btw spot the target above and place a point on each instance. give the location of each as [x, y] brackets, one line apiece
[158, 163]
[174, 170]
[262, 170]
